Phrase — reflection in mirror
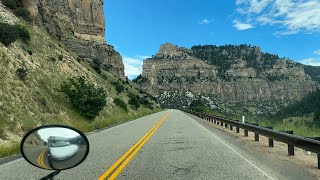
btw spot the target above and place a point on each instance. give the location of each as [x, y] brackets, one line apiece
[55, 148]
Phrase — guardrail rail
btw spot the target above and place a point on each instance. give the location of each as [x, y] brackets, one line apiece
[283, 136]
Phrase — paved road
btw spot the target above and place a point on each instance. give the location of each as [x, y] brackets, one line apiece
[182, 147]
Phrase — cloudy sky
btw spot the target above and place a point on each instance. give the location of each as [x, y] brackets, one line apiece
[289, 28]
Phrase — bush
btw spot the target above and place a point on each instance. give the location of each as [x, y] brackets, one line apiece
[96, 65]
[22, 73]
[29, 52]
[119, 102]
[23, 33]
[60, 57]
[134, 101]
[10, 3]
[87, 99]
[10, 33]
[23, 13]
[118, 86]
[3, 135]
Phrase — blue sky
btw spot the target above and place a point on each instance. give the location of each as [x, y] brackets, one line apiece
[289, 28]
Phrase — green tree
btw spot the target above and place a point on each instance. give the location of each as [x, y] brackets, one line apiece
[119, 102]
[134, 101]
[23, 13]
[12, 4]
[86, 98]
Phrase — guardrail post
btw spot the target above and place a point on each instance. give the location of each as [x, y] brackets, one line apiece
[231, 127]
[237, 128]
[256, 135]
[221, 123]
[215, 121]
[246, 133]
[318, 154]
[225, 125]
[290, 147]
[270, 139]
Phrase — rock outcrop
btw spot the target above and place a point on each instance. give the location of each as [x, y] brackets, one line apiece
[177, 76]
[80, 24]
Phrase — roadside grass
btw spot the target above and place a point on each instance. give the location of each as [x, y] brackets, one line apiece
[298, 129]
[299, 125]
[8, 150]
[117, 117]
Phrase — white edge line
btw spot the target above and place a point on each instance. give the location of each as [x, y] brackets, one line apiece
[229, 147]
[11, 162]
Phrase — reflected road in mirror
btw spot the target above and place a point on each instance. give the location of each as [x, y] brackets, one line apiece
[55, 148]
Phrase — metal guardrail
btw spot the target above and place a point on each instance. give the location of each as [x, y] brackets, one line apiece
[282, 136]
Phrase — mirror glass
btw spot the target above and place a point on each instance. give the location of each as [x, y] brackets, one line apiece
[54, 147]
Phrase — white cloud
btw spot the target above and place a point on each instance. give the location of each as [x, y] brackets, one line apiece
[317, 52]
[133, 66]
[241, 26]
[143, 57]
[311, 61]
[205, 21]
[290, 16]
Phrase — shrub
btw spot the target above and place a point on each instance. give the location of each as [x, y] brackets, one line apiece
[53, 59]
[29, 52]
[96, 65]
[86, 98]
[3, 135]
[134, 101]
[22, 72]
[23, 13]
[118, 86]
[119, 102]
[23, 33]
[60, 57]
[10, 33]
[10, 3]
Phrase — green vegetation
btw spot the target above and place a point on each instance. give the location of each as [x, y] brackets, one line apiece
[10, 33]
[308, 104]
[134, 101]
[18, 11]
[139, 79]
[198, 106]
[118, 86]
[8, 150]
[121, 103]
[12, 4]
[224, 56]
[86, 98]
[22, 72]
[60, 57]
[96, 65]
[313, 71]
[23, 13]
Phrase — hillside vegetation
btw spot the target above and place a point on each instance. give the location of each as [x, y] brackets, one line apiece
[38, 85]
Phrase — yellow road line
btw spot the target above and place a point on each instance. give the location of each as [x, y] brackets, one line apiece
[40, 159]
[135, 148]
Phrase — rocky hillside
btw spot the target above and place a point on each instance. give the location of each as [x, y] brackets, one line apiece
[234, 79]
[63, 40]
[81, 26]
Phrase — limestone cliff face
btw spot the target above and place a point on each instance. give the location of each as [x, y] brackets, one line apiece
[177, 77]
[80, 24]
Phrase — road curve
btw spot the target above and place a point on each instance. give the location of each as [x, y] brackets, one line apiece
[180, 147]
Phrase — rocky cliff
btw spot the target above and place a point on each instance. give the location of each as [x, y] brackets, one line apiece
[80, 24]
[227, 78]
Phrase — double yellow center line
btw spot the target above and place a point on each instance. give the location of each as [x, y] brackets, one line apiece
[118, 166]
[40, 159]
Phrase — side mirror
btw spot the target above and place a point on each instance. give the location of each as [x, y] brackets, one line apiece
[55, 147]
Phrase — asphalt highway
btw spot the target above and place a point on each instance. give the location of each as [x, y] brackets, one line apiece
[165, 145]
